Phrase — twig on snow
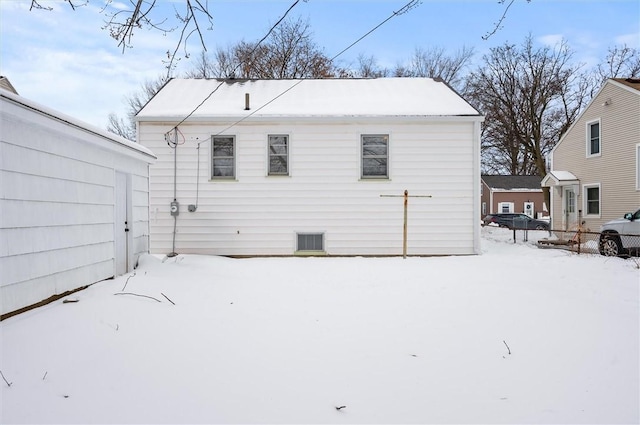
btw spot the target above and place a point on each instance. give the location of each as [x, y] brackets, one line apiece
[5, 379]
[509, 349]
[127, 281]
[137, 295]
[340, 407]
[167, 298]
[45, 375]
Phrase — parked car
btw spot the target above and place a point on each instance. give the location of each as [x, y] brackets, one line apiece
[519, 221]
[621, 237]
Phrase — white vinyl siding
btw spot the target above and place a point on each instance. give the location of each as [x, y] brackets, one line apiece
[594, 141]
[58, 205]
[324, 193]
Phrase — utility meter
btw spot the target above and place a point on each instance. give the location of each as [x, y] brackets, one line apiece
[175, 208]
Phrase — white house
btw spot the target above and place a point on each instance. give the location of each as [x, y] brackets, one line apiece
[312, 167]
[73, 203]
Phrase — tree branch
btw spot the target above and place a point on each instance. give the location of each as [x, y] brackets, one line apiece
[498, 25]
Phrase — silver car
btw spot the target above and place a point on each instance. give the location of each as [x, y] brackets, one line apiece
[621, 237]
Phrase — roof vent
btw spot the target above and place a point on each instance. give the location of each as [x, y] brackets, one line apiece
[246, 102]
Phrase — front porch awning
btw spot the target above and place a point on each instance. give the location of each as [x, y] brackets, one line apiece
[559, 178]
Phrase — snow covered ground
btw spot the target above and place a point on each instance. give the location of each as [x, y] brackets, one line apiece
[516, 335]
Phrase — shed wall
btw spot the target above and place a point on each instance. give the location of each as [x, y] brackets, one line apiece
[57, 200]
[257, 214]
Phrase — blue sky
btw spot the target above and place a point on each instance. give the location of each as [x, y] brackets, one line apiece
[63, 60]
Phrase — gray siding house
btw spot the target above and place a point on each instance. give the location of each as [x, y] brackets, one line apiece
[595, 167]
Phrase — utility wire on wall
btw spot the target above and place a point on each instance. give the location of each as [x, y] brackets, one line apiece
[406, 8]
[175, 205]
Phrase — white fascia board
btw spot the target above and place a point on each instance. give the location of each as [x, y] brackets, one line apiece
[310, 119]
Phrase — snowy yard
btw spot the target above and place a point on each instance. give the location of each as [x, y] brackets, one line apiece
[516, 335]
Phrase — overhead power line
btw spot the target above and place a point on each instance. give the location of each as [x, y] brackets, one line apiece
[273, 27]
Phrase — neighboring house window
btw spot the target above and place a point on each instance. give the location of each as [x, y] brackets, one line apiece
[310, 242]
[375, 156]
[278, 154]
[484, 208]
[505, 207]
[593, 138]
[223, 157]
[592, 199]
[638, 166]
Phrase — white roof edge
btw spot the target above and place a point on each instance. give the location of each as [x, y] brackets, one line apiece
[622, 86]
[559, 178]
[263, 118]
[76, 123]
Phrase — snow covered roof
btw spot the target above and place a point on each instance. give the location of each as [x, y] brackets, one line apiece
[559, 178]
[416, 97]
[512, 182]
[74, 122]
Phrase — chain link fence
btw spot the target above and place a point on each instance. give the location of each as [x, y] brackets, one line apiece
[587, 242]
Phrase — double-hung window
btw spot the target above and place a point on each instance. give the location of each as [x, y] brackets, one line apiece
[593, 138]
[375, 156]
[223, 157]
[278, 155]
[592, 199]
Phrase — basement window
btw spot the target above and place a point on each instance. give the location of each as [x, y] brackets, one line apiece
[310, 242]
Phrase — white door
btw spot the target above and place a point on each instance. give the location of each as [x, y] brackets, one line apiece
[570, 213]
[528, 209]
[121, 224]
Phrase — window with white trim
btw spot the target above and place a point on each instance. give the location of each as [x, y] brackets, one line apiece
[278, 155]
[505, 207]
[223, 157]
[307, 242]
[592, 200]
[593, 138]
[375, 156]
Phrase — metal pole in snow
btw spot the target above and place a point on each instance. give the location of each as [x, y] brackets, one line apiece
[404, 228]
[405, 221]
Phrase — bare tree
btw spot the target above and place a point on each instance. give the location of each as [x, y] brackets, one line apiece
[123, 21]
[368, 68]
[436, 63]
[288, 52]
[126, 127]
[202, 67]
[620, 62]
[497, 26]
[530, 98]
